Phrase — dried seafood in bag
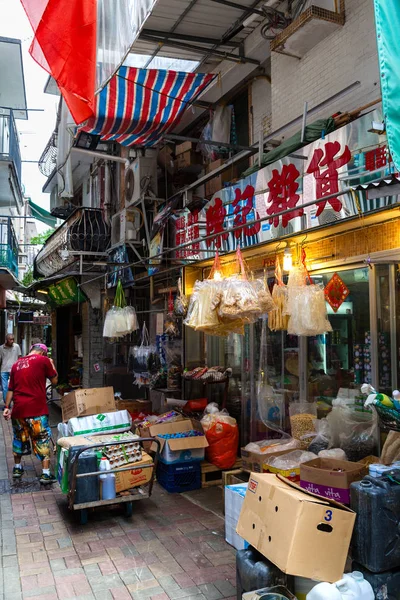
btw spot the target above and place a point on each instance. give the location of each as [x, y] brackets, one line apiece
[264, 295]
[278, 319]
[181, 302]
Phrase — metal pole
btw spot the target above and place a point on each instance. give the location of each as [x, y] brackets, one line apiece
[303, 127]
[100, 155]
[373, 316]
[231, 230]
[393, 325]
[183, 138]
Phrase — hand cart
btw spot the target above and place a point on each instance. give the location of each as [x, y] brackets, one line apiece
[137, 493]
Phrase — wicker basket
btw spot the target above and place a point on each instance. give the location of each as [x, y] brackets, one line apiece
[389, 418]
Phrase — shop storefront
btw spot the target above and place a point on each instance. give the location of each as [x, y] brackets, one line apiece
[351, 247]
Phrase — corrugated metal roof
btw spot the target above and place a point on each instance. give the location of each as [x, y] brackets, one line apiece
[203, 18]
[392, 180]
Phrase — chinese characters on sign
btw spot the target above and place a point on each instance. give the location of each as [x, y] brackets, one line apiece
[327, 180]
[303, 186]
[215, 220]
[376, 159]
[245, 212]
[282, 194]
[187, 229]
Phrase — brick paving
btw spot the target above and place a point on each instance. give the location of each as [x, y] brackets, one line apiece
[169, 549]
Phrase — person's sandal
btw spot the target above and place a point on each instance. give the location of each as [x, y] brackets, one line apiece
[17, 473]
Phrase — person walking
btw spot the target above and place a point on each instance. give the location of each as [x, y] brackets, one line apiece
[9, 354]
[30, 414]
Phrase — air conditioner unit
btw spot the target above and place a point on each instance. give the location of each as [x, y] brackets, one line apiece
[140, 179]
[125, 227]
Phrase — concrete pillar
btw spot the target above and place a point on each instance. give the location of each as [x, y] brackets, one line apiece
[92, 339]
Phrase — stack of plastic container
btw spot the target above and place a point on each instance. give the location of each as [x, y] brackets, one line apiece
[375, 547]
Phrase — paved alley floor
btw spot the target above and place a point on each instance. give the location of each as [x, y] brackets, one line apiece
[170, 548]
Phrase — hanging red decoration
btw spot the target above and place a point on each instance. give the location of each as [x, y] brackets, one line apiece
[336, 292]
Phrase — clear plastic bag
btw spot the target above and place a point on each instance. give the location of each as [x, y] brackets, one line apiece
[145, 357]
[114, 323]
[181, 302]
[193, 308]
[264, 295]
[336, 453]
[131, 319]
[353, 431]
[270, 446]
[307, 308]
[270, 402]
[208, 300]
[292, 460]
[321, 439]
[302, 421]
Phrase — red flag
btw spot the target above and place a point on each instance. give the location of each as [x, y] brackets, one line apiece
[64, 44]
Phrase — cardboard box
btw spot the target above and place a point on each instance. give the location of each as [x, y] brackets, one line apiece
[184, 147]
[188, 159]
[331, 478]
[302, 534]
[125, 480]
[253, 462]
[86, 402]
[180, 449]
[217, 183]
[143, 429]
[134, 406]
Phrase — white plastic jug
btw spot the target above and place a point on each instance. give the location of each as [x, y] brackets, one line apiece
[353, 586]
[367, 593]
[324, 591]
[107, 481]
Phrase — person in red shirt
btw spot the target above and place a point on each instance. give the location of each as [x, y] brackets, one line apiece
[30, 413]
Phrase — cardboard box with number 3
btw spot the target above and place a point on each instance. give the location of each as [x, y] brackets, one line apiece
[302, 534]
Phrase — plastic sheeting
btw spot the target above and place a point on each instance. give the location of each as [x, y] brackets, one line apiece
[66, 129]
[387, 17]
[118, 25]
[312, 133]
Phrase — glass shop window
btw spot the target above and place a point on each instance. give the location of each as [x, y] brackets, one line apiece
[341, 360]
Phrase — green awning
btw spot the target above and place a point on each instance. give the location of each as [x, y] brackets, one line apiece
[42, 215]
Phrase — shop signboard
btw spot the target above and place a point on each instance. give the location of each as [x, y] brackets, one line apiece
[350, 156]
[66, 292]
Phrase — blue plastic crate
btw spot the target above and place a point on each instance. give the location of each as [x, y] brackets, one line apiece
[179, 477]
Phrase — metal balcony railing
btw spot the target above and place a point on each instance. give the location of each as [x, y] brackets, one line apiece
[8, 246]
[84, 233]
[9, 143]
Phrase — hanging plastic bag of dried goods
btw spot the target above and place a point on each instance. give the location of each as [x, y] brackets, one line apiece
[181, 302]
[239, 298]
[278, 318]
[171, 326]
[202, 310]
[145, 356]
[222, 435]
[270, 402]
[115, 322]
[260, 286]
[306, 303]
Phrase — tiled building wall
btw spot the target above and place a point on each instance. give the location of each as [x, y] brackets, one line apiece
[347, 55]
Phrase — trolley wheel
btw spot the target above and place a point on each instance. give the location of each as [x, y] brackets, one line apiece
[128, 509]
[83, 516]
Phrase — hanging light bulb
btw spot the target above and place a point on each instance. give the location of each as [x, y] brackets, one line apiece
[217, 276]
[287, 260]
